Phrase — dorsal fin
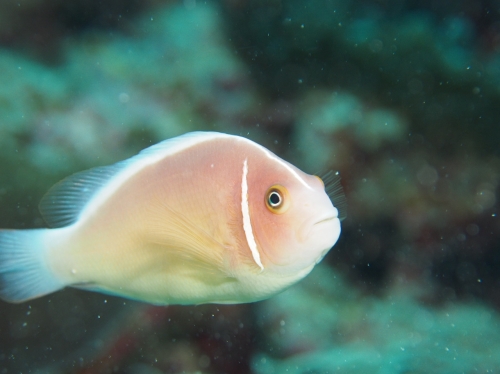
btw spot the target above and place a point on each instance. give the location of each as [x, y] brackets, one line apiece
[63, 203]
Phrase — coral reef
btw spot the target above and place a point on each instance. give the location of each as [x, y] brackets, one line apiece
[325, 326]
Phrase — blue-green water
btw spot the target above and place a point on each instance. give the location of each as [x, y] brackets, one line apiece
[400, 96]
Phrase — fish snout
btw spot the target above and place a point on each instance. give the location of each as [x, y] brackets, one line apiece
[319, 225]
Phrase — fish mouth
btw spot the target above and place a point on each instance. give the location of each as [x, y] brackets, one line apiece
[331, 218]
[312, 227]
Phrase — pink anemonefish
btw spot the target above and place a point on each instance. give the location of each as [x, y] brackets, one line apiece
[201, 218]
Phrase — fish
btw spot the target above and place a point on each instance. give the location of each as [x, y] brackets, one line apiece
[204, 217]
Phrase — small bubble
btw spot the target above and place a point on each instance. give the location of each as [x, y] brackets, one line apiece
[376, 45]
[415, 86]
[427, 176]
[485, 197]
[472, 229]
[124, 98]
[190, 4]
[204, 361]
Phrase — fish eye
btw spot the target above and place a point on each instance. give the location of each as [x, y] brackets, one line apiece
[276, 199]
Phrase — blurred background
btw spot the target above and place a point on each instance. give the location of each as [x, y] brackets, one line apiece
[401, 96]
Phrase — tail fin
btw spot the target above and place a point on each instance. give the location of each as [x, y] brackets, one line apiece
[24, 274]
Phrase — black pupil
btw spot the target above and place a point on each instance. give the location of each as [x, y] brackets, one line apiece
[274, 198]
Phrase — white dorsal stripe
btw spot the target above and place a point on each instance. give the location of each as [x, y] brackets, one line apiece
[279, 161]
[247, 224]
[157, 152]
[285, 165]
[146, 157]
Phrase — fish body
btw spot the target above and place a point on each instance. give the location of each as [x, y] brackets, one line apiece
[202, 218]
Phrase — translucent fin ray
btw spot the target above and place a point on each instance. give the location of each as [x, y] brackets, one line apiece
[24, 274]
[64, 202]
[335, 192]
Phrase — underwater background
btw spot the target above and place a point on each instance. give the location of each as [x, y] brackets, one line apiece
[401, 96]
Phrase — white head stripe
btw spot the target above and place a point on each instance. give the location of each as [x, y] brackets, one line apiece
[247, 225]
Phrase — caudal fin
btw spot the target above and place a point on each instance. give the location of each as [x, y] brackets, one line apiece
[24, 274]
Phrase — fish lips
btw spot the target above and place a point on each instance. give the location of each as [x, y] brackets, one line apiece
[322, 232]
[326, 233]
